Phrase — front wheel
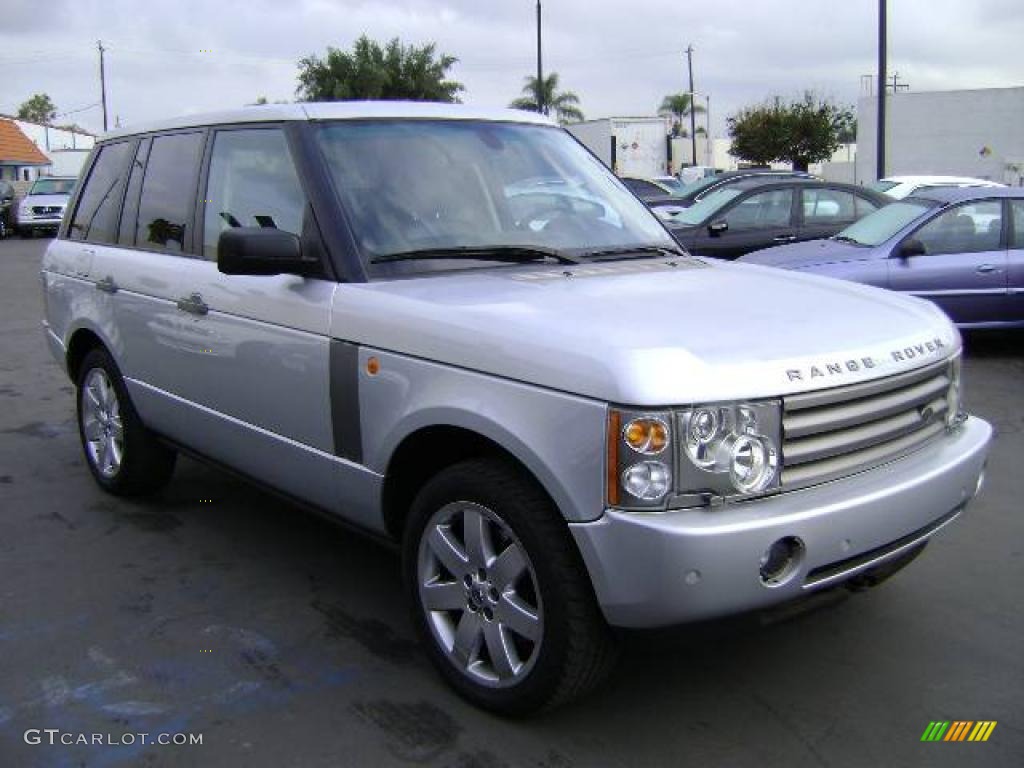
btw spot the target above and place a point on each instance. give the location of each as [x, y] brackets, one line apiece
[124, 457]
[500, 595]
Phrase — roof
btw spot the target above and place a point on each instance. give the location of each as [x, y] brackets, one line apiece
[17, 148]
[339, 110]
[959, 194]
[939, 180]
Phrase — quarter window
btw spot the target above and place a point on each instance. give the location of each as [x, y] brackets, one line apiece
[168, 191]
[968, 228]
[95, 217]
[252, 183]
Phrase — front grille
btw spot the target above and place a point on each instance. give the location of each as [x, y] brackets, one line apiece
[836, 432]
[47, 210]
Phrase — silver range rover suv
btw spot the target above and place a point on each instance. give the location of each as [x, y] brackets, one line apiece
[456, 329]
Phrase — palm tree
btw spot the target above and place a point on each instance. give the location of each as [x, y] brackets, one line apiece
[678, 105]
[564, 103]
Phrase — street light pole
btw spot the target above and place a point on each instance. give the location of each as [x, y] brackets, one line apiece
[693, 116]
[540, 68]
[880, 128]
[103, 84]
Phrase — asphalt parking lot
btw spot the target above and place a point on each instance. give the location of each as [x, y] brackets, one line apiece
[217, 609]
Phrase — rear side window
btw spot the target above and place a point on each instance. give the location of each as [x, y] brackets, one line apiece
[1017, 206]
[252, 183]
[827, 206]
[95, 218]
[168, 192]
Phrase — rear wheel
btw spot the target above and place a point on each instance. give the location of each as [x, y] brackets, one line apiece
[499, 592]
[124, 457]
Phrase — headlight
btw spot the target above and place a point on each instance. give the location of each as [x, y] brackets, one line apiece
[23, 210]
[730, 448]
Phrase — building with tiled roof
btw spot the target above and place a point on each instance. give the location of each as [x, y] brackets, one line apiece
[20, 158]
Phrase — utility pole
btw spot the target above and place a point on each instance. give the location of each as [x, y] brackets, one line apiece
[693, 116]
[103, 84]
[880, 129]
[540, 69]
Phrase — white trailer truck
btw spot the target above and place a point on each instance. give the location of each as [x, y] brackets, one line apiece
[630, 146]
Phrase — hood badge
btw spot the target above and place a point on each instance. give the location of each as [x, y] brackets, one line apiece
[825, 370]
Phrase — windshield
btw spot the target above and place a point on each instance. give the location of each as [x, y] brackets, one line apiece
[701, 210]
[53, 187]
[672, 184]
[429, 185]
[876, 228]
[882, 185]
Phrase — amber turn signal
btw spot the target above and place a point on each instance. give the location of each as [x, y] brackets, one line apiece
[647, 436]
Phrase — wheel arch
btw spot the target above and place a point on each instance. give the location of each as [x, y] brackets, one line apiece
[80, 342]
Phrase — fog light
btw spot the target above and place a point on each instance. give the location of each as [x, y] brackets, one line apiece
[780, 560]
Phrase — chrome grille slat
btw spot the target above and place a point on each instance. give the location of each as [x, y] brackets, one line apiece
[855, 438]
[840, 431]
[829, 418]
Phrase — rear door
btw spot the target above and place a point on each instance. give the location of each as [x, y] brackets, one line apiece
[1015, 263]
[964, 267]
[758, 219]
[824, 211]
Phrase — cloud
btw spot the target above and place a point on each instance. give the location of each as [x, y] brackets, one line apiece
[621, 58]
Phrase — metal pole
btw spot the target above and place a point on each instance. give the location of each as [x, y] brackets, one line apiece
[707, 138]
[540, 68]
[103, 85]
[880, 129]
[693, 116]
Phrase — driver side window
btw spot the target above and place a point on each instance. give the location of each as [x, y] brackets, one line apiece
[762, 210]
[968, 228]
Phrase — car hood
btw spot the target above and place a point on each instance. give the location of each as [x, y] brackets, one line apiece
[648, 333]
[796, 255]
[46, 199]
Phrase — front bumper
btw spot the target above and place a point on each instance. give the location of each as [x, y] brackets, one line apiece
[658, 569]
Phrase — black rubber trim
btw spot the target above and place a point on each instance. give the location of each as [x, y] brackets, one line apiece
[344, 392]
[825, 572]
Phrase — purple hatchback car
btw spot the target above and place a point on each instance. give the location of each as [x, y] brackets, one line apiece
[961, 248]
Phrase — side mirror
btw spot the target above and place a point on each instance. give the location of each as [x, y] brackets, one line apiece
[910, 247]
[718, 227]
[262, 251]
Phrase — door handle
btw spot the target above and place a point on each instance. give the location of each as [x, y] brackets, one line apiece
[984, 269]
[784, 238]
[107, 285]
[193, 304]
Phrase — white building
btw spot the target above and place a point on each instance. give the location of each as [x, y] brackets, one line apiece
[66, 149]
[956, 133]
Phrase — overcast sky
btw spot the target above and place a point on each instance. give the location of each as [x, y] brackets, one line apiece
[167, 57]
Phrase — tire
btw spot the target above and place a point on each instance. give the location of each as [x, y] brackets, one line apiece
[531, 568]
[124, 457]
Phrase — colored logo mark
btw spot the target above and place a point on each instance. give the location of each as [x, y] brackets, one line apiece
[959, 730]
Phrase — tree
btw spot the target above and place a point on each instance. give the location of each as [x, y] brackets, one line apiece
[846, 122]
[371, 72]
[759, 133]
[39, 109]
[803, 132]
[678, 105]
[564, 103]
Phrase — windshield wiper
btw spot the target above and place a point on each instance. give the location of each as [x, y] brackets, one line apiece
[639, 250]
[515, 254]
[845, 239]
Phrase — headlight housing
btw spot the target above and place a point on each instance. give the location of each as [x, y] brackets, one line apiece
[730, 449]
[693, 455]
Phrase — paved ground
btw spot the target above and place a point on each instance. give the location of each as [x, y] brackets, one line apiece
[216, 609]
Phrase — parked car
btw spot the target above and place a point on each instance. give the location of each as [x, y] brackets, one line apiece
[42, 208]
[756, 213]
[659, 186]
[6, 208]
[962, 248]
[898, 187]
[698, 190]
[339, 301]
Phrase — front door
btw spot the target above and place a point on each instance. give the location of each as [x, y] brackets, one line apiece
[758, 220]
[964, 266]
